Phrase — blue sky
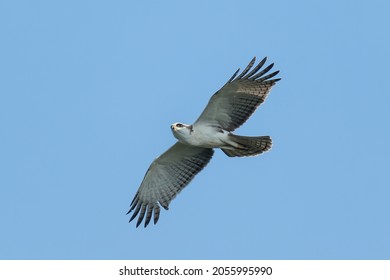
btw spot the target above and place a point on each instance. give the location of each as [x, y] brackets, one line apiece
[86, 86]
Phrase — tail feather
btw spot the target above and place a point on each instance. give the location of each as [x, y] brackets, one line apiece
[248, 146]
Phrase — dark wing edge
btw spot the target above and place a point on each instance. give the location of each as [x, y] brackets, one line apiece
[179, 174]
[253, 75]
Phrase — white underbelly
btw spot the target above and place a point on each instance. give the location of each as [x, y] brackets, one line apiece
[207, 139]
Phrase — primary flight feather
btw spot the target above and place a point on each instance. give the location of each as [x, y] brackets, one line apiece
[227, 110]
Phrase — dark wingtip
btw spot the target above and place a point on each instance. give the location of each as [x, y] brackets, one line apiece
[247, 68]
[268, 77]
[234, 75]
[166, 207]
[132, 218]
[263, 61]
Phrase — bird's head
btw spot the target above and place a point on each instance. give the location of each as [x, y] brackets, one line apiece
[181, 130]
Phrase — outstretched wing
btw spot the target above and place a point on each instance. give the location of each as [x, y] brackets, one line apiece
[236, 101]
[166, 177]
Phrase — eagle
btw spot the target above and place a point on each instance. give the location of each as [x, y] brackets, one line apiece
[226, 110]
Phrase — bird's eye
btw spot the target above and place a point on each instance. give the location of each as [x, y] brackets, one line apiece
[179, 125]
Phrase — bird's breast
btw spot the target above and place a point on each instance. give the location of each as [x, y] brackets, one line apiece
[205, 137]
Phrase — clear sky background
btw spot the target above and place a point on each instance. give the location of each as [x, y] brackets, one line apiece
[89, 89]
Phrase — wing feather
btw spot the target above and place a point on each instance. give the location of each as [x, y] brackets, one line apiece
[165, 178]
[247, 68]
[254, 70]
[236, 101]
[262, 72]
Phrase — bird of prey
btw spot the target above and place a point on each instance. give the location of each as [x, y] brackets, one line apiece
[227, 109]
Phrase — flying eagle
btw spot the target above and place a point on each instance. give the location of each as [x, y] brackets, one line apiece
[227, 110]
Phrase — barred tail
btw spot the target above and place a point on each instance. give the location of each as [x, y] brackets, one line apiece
[248, 146]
